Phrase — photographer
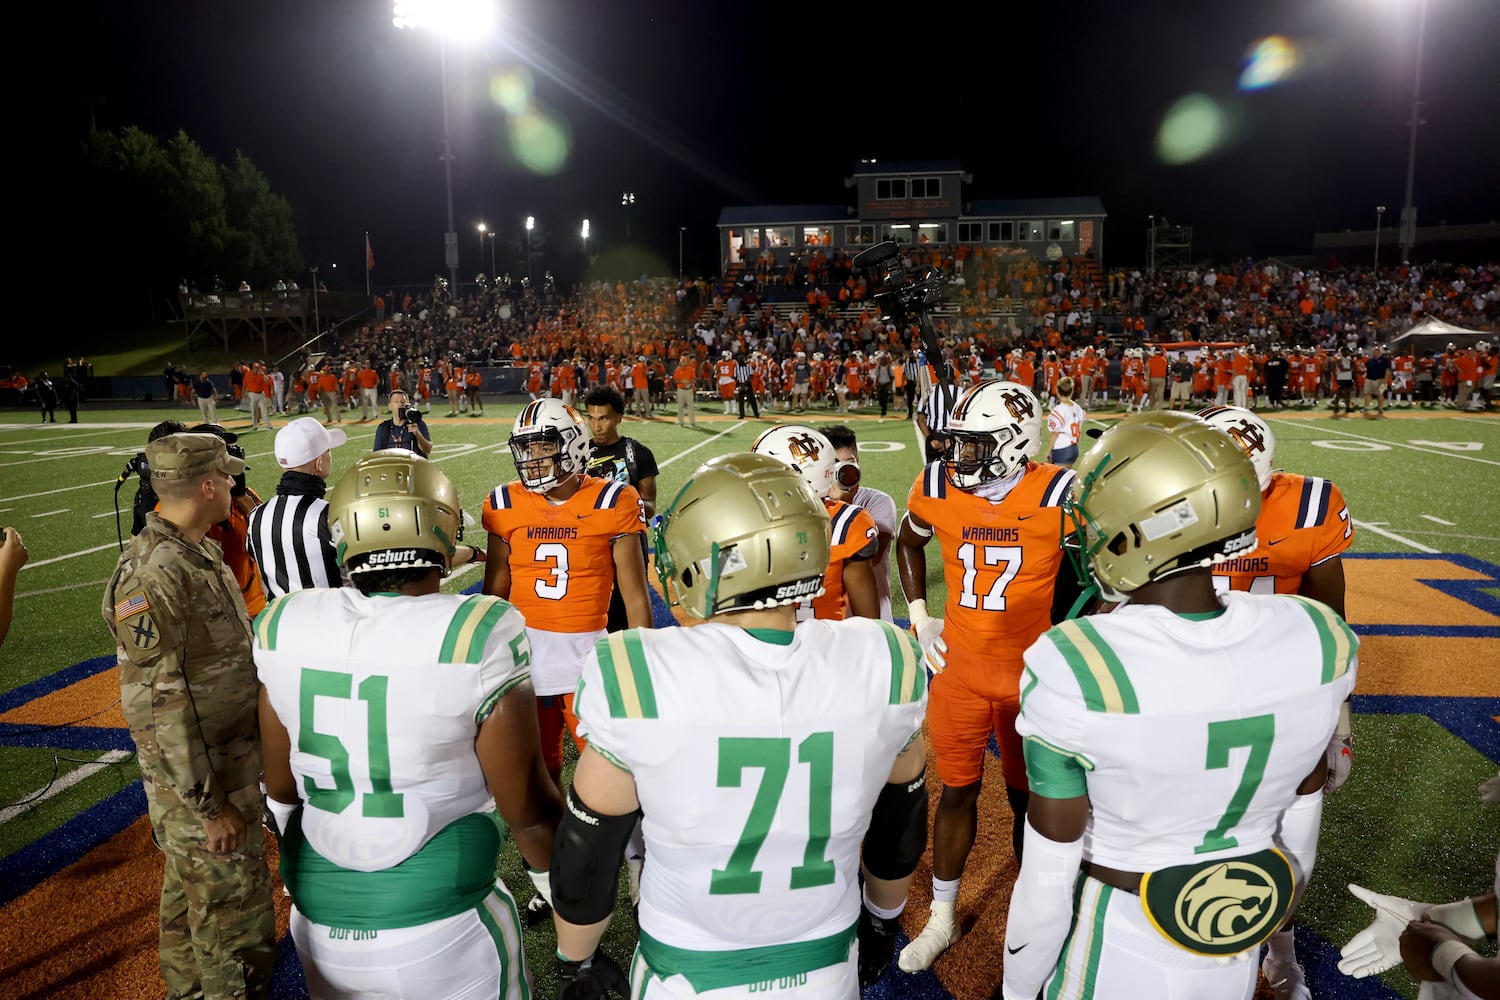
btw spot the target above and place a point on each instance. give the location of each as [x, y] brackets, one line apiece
[405, 428]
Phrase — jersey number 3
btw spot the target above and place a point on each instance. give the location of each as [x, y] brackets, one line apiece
[774, 757]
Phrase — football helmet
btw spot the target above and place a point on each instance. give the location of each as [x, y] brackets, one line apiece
[1251, 433]
[393, 509]
[992, 433]
[549, 443]
[744, 532]
[1161, 492]
[804, 449]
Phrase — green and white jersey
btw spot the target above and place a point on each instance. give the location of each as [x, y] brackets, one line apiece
[1189, 734]
[382, 697]
[757, 756]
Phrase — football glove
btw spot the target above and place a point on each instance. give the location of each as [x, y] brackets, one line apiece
[929, 633]
[1340, 759]
[877, 945]
[1378, 947]
[594, 978]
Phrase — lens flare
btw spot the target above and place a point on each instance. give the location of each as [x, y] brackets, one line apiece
[1192, 128]
[1270, 61]
[541, 142]
[512, 91]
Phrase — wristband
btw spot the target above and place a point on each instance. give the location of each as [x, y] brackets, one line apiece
[1459, 917]
[1447, 955]
[917, 610]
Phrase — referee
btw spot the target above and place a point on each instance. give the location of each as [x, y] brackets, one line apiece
[744, 380]
[288, 534]
[933, 411]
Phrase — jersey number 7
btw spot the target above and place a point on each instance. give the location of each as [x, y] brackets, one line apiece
[773, 756]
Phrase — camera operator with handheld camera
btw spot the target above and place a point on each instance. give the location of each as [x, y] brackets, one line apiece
[405, 428]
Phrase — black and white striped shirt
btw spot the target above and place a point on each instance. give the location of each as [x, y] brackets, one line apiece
[937, 405]
[743, 373]
[289, 537]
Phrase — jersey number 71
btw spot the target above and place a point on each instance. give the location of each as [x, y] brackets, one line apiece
[773, 756]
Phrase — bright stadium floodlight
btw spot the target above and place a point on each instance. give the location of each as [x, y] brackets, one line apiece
[465, 21]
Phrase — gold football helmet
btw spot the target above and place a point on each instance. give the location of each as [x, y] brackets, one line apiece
[394, 509]
[1161, 492]
[744, 532]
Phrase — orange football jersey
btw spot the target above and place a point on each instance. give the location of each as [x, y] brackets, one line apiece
[1303, 521]
[854, 532]
[562, 567]
[1000, 564]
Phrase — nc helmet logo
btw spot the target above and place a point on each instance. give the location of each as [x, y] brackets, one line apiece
[804, 448]
[1018, 404]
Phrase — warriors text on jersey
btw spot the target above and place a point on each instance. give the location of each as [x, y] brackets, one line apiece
[1000, 562]
[382, 698]
[561, 557]
[1122, 706]
[1303, 522]
[757, 757]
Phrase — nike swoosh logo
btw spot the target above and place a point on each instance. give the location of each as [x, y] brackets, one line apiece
[1022, 517]
[1276, 542]
[1011, 951]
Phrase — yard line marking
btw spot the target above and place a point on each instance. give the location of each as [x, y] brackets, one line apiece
[49, 513]
[95, 517]
[66, 428]
[63, 489]
[688, 451]
[64, 783]
[58, 590]
[65, 458]
[72, 437]
[1449, 534]
[1369, 526]
[1438, 520]
[1389, 444]
[4, 509]
[71, 555]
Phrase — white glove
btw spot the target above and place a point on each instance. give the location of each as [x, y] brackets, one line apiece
[1340, 758]
[1378, 947]
[929, 633]
[1489, 791]
[543, 883]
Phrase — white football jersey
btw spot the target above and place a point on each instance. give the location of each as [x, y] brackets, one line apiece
[382, 698]
[757, 764]
[1194, 734]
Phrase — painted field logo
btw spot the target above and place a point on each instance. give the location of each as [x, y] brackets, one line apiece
[1220, 907]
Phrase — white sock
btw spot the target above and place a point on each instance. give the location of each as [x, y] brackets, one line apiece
[944, 890]
[1282, 947]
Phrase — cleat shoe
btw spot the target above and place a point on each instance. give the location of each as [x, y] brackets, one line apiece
[537, 910]
[941, 931]
[1286, 980]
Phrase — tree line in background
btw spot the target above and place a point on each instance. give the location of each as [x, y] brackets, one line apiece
[178, 215]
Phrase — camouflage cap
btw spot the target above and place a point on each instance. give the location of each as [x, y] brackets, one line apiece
[188, 456]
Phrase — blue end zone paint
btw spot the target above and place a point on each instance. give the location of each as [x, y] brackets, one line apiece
[1468, 591]
[27, 868]
[287, 980]
[65, 737]
[1470, 719]
[55, 681]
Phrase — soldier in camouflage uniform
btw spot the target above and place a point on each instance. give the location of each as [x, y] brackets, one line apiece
[188, 690]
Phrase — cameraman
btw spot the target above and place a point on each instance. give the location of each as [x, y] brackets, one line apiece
[405, 428]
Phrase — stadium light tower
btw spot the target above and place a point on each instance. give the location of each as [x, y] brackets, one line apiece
[458, 20]
[482, 228]
[627, 199]
[1408, 224]
[530, 225]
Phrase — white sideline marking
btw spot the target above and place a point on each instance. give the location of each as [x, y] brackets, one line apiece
[64, 783]
[1324, 429]
[64, 489]
[1438, 520]
[71, 555]
[57, 590]
[1368, 526]
[49, 513]
[105, 514]
[687, 451]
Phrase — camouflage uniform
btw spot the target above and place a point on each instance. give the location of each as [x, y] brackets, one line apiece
[189, 694]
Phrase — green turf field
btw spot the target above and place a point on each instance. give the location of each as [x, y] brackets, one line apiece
[1419, 483]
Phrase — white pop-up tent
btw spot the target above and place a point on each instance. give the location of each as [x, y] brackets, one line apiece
[1435, 335]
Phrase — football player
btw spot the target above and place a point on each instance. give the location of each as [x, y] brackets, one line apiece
[1302, 532]
[395, 720]
[1184, 733]
[856, 537]
[777, 765]
[998, 520]
[560, 541]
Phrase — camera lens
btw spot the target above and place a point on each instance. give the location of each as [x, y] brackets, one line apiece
[847, 474]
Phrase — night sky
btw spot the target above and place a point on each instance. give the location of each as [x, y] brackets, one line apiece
[695, 106]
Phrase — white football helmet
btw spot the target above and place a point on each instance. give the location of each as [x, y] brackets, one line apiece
[1251, 433]
[549, 443]
[993, 431]
[805, 450]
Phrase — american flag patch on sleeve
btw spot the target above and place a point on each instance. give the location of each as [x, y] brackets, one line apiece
[132, 605]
